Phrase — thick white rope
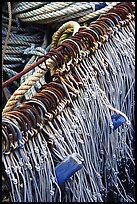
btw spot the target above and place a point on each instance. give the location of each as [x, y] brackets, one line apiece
[70, 10]
[53, 6]
[25, 6]
[98, 12]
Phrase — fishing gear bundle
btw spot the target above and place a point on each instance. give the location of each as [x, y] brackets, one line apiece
[73, 141]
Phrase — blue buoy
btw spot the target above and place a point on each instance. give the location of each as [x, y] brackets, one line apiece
[117, 120]
[68, 167]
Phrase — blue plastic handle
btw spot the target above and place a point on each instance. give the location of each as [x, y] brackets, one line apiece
[68, 167]
[117, 120]
[100, 5]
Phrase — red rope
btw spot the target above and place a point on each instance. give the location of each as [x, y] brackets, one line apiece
[9, 81]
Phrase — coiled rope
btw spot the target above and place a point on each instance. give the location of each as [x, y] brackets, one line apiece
[8, 33]
[59, 11]
[97, 13]
[16, 37]
[25, 6]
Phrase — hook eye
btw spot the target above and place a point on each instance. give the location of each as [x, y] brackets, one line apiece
[103, 27]
[19, 120]
[69, 49]
[10, 130]
[26, 109]
[84, 34]
[54, 58]
[16, 133]
[66, 50]
[106, 21]
[38, 103]
[51, 99]
[119, 13]
[113, 17]
[123, 9]
[127, 6]
[23, 121]
[34, 111]
[99, 29]
[59, 59]
[92, 37]
[42, 98]
[57, 86]
[27, 123]
[78, 40]
[103, 24]
[93, 44]
[53, 94]
[96, 25]
[58, 93]
[74, 44]
[5, 141]
[58, 54]
[126, 14]
[93, 34]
